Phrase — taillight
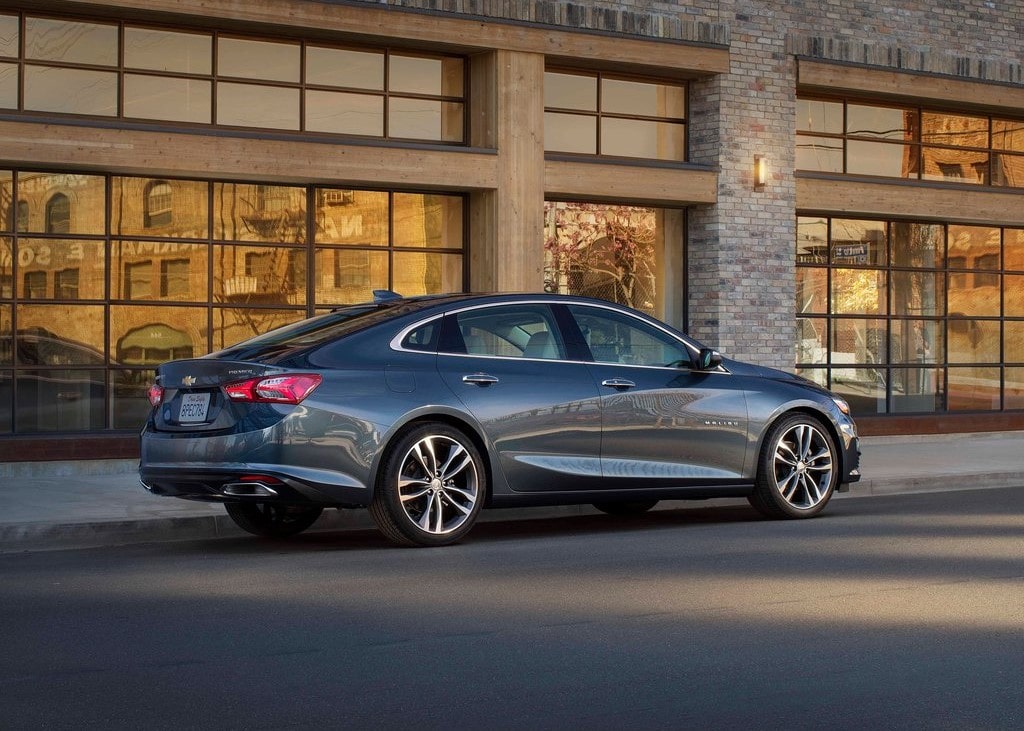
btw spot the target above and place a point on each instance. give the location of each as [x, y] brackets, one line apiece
[156, 394]
[289, 389]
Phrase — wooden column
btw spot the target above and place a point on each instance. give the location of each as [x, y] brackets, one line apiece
[507, 223]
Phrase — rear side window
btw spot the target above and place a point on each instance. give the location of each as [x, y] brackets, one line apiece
[424, 337]
[507, 331]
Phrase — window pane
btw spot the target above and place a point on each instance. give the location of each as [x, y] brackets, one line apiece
[811, 289]
[416, 273]
[79, 264]
[814, 115]
[341, 67]
[354, 217]
[858, 242]
[823, 154]
[1013, 248]
[155, 207]
[880, 158]
[641, 99]
[863, 388]
[979, 245]
[249, 105]
[1008, 170]
[616, 338]
[260, 60]
[1008, 134]
[916, 390]
[6, 335]
[72, 91]
[916, 341]
[881, 122]
[57, 335]
[253, 212]
[1013, 341]
[954, 129]
[815, 375]
[163, 97]
[431, 221]
[570, 91]
[169, 271]
[161, 50]
[143, 335]
[70, 41]
[424, 119]
[858, 342]
[972, 341]
[858, 291]
[59, 400]
[416, 75]
[811, 240]
[250, 275]
[973, 389]
[1013, 388]
[918, 293]
[974, 294]
[917, 244]
[570, 133]
[1013, 295]
[6, 269]
[62, 203]
[524, 331]
[638, 138]
[348, 276]
[811, 344]
[129, 403]
[9, 85]
[347, 114]
[232, 326]
[958, 166]
[9, 35]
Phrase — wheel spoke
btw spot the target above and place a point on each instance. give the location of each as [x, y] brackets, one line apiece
[438, 484]
[404, 482]
[788, 486]
[465, 494]
[417, 452]
[456, 450]
[459, 506]
[446, 475]
[439, 508]
[415, 495]
[424, 521]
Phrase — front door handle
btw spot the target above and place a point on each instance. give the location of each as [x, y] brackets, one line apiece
[619, 384]
[479, 379]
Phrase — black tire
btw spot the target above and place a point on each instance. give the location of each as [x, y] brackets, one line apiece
[272, 521]
[626, 509]
[797, 469]
[441, 475]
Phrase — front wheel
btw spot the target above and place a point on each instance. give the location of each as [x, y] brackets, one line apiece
[272, 521]
[431, 488]
[797, 469]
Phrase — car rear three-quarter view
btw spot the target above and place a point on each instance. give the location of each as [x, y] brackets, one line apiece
[427, 410]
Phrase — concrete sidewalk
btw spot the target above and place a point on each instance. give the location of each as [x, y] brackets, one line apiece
[80, 504]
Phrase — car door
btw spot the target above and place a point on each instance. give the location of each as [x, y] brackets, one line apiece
[664, 423]
[508, 365]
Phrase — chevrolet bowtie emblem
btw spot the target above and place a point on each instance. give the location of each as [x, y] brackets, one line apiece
[188, 380]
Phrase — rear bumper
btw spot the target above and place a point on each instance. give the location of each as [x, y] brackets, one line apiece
[253, 482]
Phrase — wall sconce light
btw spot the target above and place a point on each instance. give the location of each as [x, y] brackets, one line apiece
[760, 172]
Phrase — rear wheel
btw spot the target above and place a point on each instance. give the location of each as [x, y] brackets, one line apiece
[797, 469]
[626, 509]
[272, 521]
[431, 488]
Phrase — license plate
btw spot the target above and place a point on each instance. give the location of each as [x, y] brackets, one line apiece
[193, 407]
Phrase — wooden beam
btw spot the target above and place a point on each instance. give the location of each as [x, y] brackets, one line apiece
[834, 78]
[629, 183]
[901, 200]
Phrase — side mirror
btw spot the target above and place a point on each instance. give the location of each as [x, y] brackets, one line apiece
[708, 359]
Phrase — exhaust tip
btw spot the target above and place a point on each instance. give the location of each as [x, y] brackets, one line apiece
[248, 489]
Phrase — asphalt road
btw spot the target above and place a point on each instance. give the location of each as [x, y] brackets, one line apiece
[901, 612]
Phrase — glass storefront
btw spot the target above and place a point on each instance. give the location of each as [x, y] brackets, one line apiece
[104, 277]
[911, 317]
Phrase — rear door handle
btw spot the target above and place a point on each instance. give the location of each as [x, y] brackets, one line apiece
[619, 384]
[479, 379]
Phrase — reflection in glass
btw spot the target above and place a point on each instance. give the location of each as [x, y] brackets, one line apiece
[262, 60]
[70, 41]
[354, 217]
[250, 275]
[142, 335]
[162, 50]
[71, 91]
[973, 389]
[254, 212]
[251, 105]
[858, 291]
[431, 221]
[958, 166]
[345, 68]
[1008, 134]
[417, 75]
[341, 113]
[347, 276]
[9, 30]
[164, 97]
[58, 335]
[972, 341]
[863, 388]
[76, 269]
[640, 138]
[1013, 388]
[916, 390]
[815, 375]
[59, 400]
[858, 342]
[916, 341]
[918, 293]
[1007, 170]
[811, 340]
[959, 130]
[979, 245]
[1013, 248]
[815, 115]
[857, 242]
[570, 133]
[1013, 295]
[642, 99]
[881, 122]
[426, 273]
[6, 268]
[6, 335]
[881, 158]
[570, 91]
[811, 290]
[823, 154]
[811, 240]
[974, 294]
[170, 272]
[233, 325]
[9, 85]
[917, 244]
[129, 400]
[158, 207]
[425, 119]
[1013, 341]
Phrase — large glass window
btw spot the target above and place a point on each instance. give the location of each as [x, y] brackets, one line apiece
[106, 277]
[908, 317]
[897, 141]
[597, 114]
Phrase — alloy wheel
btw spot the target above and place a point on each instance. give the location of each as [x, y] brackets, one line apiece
[803, 465]
[438, 484]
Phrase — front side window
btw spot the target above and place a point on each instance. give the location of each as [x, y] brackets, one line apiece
[616, 338]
